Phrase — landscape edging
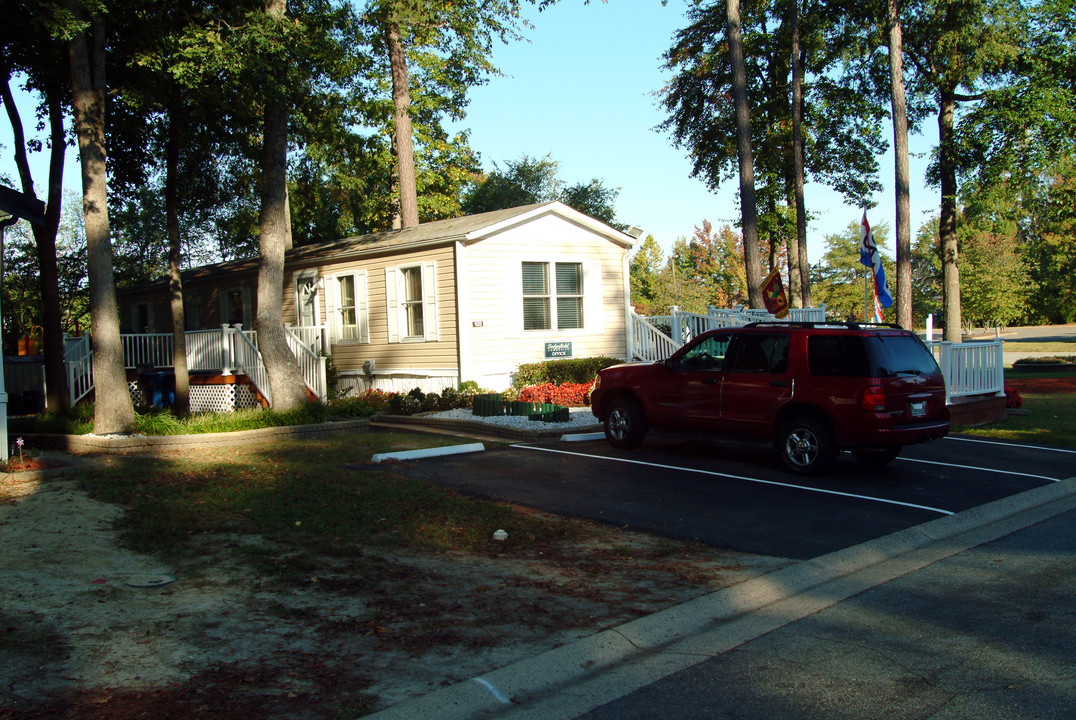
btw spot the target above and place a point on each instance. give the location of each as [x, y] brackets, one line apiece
[149, 444]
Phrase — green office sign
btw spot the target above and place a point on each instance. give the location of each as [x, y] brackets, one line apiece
[557, 350]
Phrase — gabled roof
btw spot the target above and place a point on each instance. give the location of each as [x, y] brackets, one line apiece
[469, 229]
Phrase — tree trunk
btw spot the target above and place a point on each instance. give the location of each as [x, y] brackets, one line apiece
[113, 409]
[182, 405]
[56, 398]
[285, 380]
[947, 220]
[795, 297]
[401, 101]
[900, 151]
[803, 266]
[748, 212]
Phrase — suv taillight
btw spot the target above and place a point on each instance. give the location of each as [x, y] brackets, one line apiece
[873, 399]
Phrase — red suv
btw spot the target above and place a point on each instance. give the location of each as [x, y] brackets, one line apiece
[813, 389]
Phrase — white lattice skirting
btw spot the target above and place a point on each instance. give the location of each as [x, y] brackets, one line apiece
[209, 398]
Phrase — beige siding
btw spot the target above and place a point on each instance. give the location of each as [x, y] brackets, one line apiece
[493, 296]
[349, 355]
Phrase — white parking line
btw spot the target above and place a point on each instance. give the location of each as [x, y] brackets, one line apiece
[1008, 444]
[980, 469]
[739, 477]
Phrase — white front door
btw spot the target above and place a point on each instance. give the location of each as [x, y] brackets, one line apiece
[306, 300]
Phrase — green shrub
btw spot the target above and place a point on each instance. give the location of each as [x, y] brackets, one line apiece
[576, 370]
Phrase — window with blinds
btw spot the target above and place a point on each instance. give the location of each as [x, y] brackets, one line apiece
[564, 297]
[569, 296]
[536, 314]
[412, 301]
[347, 310]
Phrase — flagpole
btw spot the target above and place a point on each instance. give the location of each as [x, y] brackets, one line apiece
[868, 296]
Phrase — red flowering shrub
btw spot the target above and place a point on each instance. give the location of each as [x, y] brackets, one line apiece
[567, 395]
[1012, 397]
[365, 404]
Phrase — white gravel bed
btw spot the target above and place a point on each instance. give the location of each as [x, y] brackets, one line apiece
[579, 418]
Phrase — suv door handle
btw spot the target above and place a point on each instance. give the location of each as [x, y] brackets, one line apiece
[779, 383]
[710, 381]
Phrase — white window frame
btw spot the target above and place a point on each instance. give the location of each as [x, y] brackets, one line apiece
[593, 291]
[362, 308]
[395, 297]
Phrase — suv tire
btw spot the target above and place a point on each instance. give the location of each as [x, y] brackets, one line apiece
[625, 423]
[806, 445]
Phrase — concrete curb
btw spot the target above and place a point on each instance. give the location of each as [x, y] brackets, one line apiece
[151, 444]
[569, 680]
[428, 452]
[475, 427]
[582, 437]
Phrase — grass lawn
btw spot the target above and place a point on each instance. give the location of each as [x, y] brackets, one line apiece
[1061, 347]
[1050, 420]
[301, 495]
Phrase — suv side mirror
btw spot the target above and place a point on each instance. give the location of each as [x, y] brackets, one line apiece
[671, 364]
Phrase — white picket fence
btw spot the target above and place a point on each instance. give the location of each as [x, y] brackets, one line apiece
[229, 350]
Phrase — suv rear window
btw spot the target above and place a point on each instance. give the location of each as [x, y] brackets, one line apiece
[881, 355]
[838, 355]
[901, 355]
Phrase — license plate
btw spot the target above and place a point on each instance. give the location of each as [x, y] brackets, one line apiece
[919, 409]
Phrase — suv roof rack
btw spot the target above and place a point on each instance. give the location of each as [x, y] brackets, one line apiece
[851, 325]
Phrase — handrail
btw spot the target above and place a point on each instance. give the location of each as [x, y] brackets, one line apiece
[311, 336]
[249, 361]
[78, 360]
[311, 364]
[650, 343]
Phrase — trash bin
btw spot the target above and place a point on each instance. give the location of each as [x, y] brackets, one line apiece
[159, 388]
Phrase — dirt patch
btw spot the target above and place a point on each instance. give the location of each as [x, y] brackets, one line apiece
[29, 464]
[91, 630]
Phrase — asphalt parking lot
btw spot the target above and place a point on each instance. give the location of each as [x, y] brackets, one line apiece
[737, 496]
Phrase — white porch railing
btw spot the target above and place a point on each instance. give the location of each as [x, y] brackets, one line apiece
[248, 361]
[311, 337]
[207, 350]
[971, 368]
[78, 361]
[649, 342]
[311, 362]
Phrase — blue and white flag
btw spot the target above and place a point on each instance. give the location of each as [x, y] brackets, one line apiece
[869, 256]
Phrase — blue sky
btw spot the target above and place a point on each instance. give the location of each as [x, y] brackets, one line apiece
[581, 90]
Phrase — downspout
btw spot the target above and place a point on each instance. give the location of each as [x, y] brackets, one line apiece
[463, 334]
